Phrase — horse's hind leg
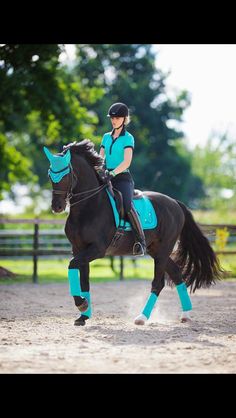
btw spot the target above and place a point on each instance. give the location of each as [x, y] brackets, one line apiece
[158, 284]
[175, 274]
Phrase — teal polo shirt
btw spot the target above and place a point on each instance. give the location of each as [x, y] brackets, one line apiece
[115, 148]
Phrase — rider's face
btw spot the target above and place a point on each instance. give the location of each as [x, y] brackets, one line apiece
[116, 122]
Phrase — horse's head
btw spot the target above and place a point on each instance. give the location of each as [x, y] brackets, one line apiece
[65, 176]
[61, 176]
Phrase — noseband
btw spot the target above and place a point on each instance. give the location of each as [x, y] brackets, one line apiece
[74, 180]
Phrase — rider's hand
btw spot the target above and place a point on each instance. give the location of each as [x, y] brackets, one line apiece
[109, 175]
[104, 175]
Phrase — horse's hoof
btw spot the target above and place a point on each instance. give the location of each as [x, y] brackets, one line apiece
[184, 320]
[185, 317]
[140, 320]
[81, 320]
[84, 306]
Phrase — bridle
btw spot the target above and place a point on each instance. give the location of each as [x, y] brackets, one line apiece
[74, 180]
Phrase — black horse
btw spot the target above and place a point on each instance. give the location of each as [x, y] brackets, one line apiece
[90, 227]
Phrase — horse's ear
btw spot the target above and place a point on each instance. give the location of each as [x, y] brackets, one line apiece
[67, 156]
[48, 153]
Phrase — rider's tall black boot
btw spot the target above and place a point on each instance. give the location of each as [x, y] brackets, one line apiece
[139, 247]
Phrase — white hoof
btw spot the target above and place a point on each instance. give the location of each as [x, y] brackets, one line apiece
[140, 319]
[185, 316]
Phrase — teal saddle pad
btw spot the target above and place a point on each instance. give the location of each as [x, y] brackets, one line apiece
[145, 210]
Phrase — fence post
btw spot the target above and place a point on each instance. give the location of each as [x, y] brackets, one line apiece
[121, 267]
[35, 253]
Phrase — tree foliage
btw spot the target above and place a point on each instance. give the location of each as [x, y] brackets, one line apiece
[46, 103]
[41, 104]
[128, 74]
[215, 165]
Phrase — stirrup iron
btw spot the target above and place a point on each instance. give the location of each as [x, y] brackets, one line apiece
[140, 250]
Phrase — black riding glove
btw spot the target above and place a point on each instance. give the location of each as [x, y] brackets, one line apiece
[104, 175]
[109, 175]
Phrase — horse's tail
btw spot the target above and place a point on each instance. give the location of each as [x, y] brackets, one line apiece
[195, 256]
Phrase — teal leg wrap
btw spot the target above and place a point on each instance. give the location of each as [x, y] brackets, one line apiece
[74, 282]
[89, 310]
[149, 305]
[184, 297]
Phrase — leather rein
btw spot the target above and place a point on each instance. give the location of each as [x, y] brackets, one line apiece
[74, 180]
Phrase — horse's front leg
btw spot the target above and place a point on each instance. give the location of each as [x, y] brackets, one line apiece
[78, 275]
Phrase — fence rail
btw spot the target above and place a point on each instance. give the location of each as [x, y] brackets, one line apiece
[52, 242]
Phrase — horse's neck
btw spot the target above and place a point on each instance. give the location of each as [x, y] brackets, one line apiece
[86, 181]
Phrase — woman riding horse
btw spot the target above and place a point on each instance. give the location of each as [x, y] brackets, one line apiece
[117, 149]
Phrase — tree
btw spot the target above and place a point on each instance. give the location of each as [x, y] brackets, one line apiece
[13, 165]
[127, 73]
[215, 165]
[40, 105]
[46, 103]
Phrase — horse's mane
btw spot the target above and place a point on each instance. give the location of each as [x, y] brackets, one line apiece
[85, 149]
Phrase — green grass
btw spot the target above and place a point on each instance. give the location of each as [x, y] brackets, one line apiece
[56, 270]
[100, 271]
[228, 262]
[214, 217]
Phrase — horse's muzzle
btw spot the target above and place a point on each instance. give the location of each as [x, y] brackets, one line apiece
[58, 208]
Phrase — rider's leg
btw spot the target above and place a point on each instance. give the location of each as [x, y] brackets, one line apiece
[126, 187]
[140, 243]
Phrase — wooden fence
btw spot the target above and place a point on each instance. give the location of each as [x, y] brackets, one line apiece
[39, 242]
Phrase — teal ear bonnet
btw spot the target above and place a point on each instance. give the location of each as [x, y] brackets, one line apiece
[59, 165]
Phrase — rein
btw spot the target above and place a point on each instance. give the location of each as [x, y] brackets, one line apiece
[70, 194]
[98, 189]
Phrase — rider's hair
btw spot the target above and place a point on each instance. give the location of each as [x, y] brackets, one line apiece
[127, 120]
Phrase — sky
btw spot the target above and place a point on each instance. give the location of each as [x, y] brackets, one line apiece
[208, 72]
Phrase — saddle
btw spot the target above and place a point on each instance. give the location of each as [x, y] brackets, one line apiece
[142, 205]
[118, 199]
[117, 195]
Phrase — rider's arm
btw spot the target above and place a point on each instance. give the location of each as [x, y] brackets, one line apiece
[128, 155]
[102, 146]
[102, 152]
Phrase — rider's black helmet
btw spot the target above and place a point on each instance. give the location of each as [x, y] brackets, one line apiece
[119, 110]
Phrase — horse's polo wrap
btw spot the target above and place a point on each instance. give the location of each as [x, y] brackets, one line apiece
[75, 288]
[89, 310]
[59, 165]
[184, 297]
[74, 282]
[149, 305]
